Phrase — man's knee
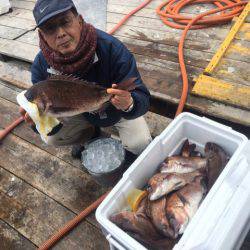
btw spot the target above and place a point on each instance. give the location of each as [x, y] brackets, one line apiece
[138, 144]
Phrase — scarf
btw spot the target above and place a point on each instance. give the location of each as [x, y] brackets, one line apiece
[79, 60]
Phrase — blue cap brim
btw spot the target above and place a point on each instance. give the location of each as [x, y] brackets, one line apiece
[46, 18]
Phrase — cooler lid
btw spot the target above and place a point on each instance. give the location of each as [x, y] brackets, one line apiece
[223, 219]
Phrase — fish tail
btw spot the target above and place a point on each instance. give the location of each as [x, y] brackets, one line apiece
[187, 148]
[128, 84]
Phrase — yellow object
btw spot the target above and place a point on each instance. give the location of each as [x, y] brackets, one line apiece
[222, 91]
[224, 46]
[44, 124]
[135, 197]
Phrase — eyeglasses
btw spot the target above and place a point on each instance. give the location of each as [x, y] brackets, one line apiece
[51, 28]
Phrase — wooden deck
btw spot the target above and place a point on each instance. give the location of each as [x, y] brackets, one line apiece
[42, 187]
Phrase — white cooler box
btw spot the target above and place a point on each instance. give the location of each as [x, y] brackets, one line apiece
[222, 220]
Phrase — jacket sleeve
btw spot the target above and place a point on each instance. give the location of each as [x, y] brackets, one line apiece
[123, 67]
[39, 69]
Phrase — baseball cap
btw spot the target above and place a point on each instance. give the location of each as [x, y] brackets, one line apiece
[46, 9]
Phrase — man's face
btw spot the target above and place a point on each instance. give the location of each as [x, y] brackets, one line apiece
[63, 32]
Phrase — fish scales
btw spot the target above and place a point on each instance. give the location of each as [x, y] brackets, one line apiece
[183, 204]
[162, 183]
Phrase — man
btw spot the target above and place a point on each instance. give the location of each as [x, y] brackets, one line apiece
[71, 46]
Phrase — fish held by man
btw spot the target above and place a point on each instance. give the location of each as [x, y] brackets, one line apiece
[65, 96]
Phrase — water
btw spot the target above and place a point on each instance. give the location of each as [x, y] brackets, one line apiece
[103, 155]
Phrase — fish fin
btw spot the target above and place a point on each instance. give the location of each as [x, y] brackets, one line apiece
[128, 84]
[41, 106]
[47, 106]
[187, 148]
[163, 166]
[63, 77]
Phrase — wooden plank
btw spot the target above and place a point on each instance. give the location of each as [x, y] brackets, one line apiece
[19, 50]
[17, 73]
[22, 13]
[213, 88]
[170, 92]
[10, 32]
[150, 12]
[27, 5]
[168, 38]
[233, 72]
[162, 51]
[38, 217]
[152, 5]
[162, 69]
[17, 22]
[31, 38]
[11, 239]
[215, 33]
[244, 33]
[240, 49]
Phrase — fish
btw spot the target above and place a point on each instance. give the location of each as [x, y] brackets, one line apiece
[65, 96]
[217, 159]
[157, 213]
[136, 223]
[163, 183]
[183, 164]
[183, 204]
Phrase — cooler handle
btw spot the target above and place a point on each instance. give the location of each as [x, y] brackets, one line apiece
[113, 243]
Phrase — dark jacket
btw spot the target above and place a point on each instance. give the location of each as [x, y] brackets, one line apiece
[115, 64]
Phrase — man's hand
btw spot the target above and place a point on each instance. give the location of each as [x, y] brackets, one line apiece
[26, 116]
[122, 99]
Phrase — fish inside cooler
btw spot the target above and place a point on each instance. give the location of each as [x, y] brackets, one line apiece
[162, 221]
[160, 213]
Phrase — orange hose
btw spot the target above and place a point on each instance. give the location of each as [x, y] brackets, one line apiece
[128, 16]
[7, 130]
[169, 14]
